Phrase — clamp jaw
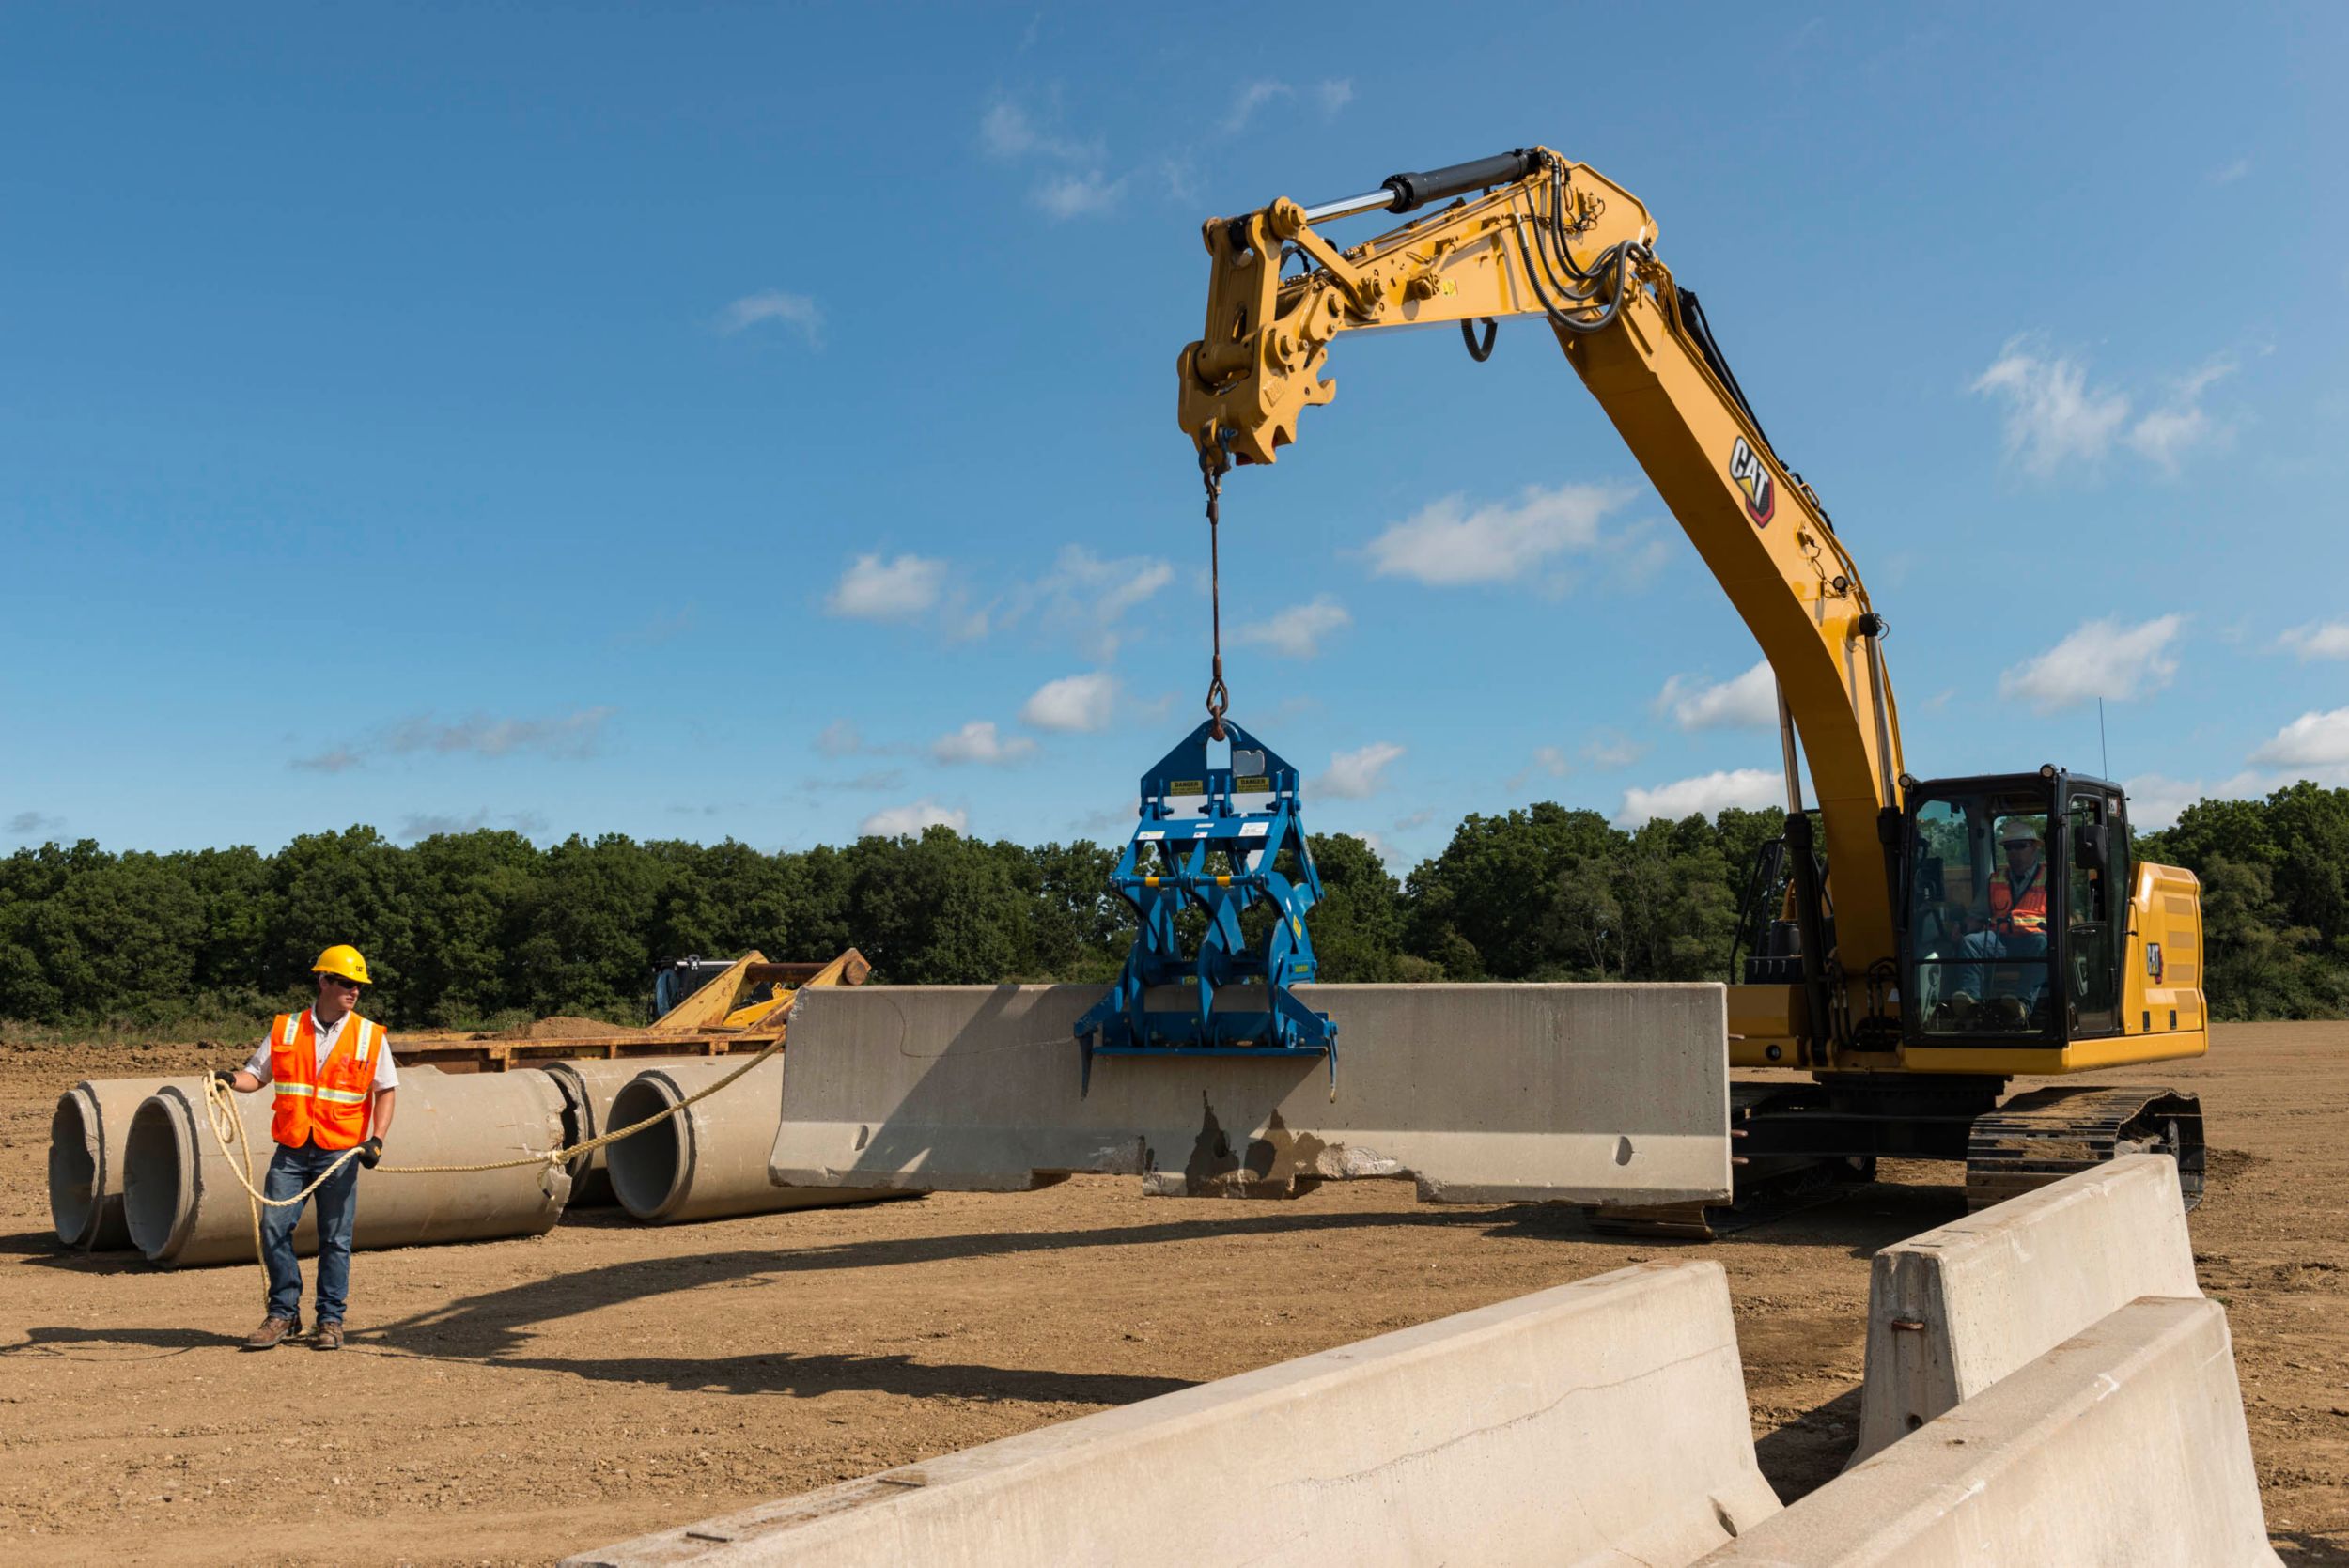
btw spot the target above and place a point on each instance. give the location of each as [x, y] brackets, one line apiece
[1210, 842]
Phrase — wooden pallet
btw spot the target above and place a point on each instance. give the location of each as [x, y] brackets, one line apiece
[456, 1053]
[713, 1022]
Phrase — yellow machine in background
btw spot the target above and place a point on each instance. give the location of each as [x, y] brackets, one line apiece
[1909, 995]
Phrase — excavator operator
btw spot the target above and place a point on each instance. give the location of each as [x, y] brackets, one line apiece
[2017, 923]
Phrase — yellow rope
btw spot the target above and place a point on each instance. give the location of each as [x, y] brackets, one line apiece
[228, 1128]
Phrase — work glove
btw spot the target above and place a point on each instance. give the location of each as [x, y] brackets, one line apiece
[224, 1076]
[371, 1152]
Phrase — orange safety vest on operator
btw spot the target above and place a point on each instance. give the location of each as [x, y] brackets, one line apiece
[2026, 914]
[325, 1102]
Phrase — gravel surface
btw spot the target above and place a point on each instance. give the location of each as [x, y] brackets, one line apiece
[510, 1401]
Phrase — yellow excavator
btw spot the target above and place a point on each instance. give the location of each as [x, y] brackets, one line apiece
[1972, 929]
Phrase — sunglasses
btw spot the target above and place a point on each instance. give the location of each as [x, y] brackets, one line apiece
[340, 984]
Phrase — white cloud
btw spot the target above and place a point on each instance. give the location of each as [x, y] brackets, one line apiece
[1704, 795]
[1334, 94]
[2052, 417]
[2102, 658]
[1008, 130]
[874, 589]
[908, 821]
[1092, 600]
[977, 741]
[840, 739]
[2329, 641]
[2166, 434]
[1446, 544]
[2229, 172]
[1072, 195]
[1607, 752]
[569, 735]
[416, 825]
[794, 310]
[1548, 762]
[1252, 97]
[1081, 703]
[565, 737]
[2156, 801]
[1298, 632]
[2055, 418]
[1749, 702]
[2311, 740]
[1358, 774]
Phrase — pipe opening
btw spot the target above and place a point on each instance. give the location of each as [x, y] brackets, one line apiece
[648, 1169]
[578, 1117]
[73, 1196]
[156, 1177]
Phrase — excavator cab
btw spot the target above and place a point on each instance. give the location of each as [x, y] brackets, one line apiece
[2015, 925]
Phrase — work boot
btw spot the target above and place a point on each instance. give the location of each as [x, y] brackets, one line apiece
[273, 1331]
[328, 1337]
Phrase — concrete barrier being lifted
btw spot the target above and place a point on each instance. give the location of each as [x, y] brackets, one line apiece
[1603, 1421]
[1483, 1094]
[86, 1134]
[184, 1206]
[1952, 1310]
[2124, 1444]
[708, 1162]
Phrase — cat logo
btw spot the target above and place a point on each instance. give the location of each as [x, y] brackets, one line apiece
[1746, 469]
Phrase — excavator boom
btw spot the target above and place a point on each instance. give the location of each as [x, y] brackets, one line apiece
[1535, 234]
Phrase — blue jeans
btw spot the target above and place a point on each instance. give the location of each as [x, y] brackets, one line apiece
[1981, 945]
[289, 1171]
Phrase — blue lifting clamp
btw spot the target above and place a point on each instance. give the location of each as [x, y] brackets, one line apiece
[1194, 812]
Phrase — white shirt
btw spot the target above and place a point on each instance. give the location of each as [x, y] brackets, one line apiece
[387, 1075]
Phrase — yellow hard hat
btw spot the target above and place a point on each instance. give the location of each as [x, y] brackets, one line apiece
[344, 961]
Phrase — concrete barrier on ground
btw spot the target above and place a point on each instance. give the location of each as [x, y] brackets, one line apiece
[1952, 1310]
[1600, 1422]
[1484, 1094]
[2123, 1444]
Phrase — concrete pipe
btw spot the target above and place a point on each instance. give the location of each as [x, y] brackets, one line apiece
[587, 1090]
[183, 1204]
[710, 1161]
[86, 1138]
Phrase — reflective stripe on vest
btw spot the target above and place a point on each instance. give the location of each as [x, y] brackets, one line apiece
[2010, 915]
[322, 1102]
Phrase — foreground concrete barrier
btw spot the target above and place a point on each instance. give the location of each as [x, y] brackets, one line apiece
[1952, 1310]
[184, 1206]
[1600, 1422]
[1484, 1094]
[2124, 1444]
[708, 1161]
[86, 1133]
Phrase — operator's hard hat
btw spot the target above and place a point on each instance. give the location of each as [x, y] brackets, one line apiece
[2019, 829]
[345, 961]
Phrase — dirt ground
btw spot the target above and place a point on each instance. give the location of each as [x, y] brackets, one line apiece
[509, 1402]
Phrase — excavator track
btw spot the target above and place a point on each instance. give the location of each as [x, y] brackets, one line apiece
[2048, 1134]
[1765, 1189]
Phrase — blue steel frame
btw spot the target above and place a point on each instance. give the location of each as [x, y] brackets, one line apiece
[1164, 871]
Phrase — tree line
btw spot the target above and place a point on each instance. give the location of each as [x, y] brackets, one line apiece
[485, 928]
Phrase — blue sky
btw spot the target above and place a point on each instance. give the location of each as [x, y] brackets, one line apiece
[751, 423]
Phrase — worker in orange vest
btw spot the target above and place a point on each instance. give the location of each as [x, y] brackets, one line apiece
[2017, 925]
[335, 1086]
